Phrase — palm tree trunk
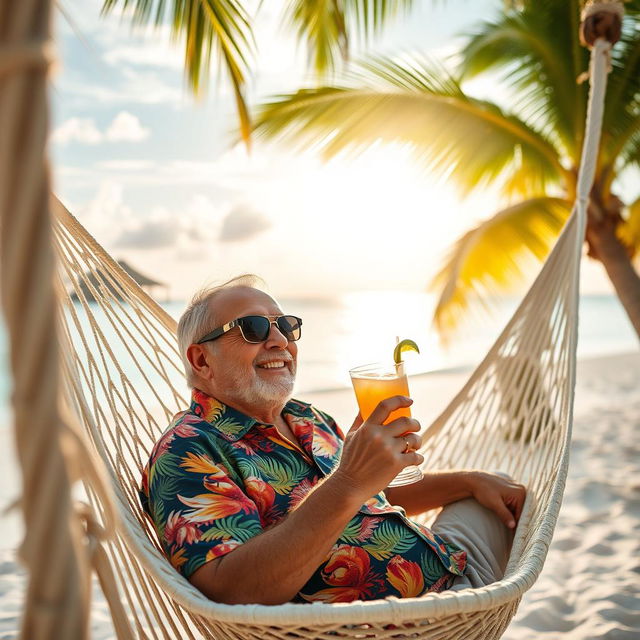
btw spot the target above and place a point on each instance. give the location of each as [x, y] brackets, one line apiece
[605, 246]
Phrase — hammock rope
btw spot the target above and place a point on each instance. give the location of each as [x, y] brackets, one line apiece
[57, 595]
[122, 371]
[119, 370]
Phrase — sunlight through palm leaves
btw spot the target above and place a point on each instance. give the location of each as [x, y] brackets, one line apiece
[529, 147]
[328, 26]
[223, 28]
[489, 258]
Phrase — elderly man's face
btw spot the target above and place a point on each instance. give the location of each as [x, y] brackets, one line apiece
[249, 375]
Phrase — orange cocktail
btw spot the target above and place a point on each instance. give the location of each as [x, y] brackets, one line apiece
[374, 383]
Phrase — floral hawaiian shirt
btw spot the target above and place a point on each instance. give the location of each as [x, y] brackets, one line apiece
[216, 478]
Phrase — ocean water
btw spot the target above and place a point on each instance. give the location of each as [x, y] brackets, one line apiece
[358, 328]
[352, 330]
[362, 327]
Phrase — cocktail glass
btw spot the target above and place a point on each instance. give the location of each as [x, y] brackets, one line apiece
[373, 383]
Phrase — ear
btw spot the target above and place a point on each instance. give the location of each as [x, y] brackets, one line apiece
[198, 356]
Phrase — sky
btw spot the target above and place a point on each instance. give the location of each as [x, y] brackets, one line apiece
[157, 177]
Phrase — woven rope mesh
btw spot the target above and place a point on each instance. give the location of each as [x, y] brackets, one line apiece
[124, 377]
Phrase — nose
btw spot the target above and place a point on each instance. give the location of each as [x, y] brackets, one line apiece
[276, 338]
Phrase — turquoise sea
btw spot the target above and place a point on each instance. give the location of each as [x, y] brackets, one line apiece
[358, 328]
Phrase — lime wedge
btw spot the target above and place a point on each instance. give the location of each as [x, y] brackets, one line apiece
[401, 347]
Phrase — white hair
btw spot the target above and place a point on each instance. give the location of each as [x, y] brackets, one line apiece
[199, 316]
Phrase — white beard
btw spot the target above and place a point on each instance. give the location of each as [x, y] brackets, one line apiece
[250, 389]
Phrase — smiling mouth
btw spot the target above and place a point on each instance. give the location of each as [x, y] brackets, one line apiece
[275, 364]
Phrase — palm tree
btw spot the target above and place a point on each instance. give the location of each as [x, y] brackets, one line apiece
[222, 29]
[528, 143]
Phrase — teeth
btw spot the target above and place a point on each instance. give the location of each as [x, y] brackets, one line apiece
[272, 365]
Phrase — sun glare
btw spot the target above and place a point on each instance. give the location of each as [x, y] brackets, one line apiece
[376, 221]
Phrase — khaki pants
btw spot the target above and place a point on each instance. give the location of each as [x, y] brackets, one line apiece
[480, 533]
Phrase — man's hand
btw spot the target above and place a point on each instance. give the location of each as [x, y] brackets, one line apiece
[374, 453]
[499, 494]
[440, 488]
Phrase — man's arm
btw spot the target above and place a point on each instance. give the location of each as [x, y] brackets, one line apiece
[440, 488]
[272, 567]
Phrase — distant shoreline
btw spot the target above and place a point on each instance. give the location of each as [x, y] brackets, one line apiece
[462, 369]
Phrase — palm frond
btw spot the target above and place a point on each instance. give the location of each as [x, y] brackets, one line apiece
[629, 230]
[537, 52]
[322, 26]
[624, 152]
[623, 83]
[472, 141]
[367, 18]
[631, 154]
[621, 119]
[207, 26]
[327, 26]
[489, 259]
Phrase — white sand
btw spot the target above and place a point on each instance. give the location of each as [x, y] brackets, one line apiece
[590, 586]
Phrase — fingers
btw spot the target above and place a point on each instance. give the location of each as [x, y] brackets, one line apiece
[408, 442]
[519, 501]
[504, 514]
[384, 408]
[402, 430]
[514, 495]
[373, 453]
[514, 502]
[502, 495]
[413, 457]
[400, 426]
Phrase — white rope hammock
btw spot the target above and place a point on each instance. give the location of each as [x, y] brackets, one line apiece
[123, 375]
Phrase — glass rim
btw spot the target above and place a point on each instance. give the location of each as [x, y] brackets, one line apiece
[367, 370]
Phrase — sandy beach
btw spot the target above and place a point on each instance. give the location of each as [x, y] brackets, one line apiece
[590, 586]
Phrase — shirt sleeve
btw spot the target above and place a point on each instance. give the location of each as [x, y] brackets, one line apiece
[200, 513]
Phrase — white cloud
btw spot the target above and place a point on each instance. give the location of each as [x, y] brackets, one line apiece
[188, 230]
[157, 232]
[77, 130]
[106, 212]
[126, 127]
[156, 50]
[242, 223]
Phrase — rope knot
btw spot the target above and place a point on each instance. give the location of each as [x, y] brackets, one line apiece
[601, 19]
[96, 533]
[35, 54]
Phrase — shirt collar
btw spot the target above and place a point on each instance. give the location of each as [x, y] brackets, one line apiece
[234, 424]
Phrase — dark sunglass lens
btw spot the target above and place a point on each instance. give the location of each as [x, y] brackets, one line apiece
[254, 328]
[290, 327]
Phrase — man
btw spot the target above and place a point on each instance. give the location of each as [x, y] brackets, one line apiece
[258, 498]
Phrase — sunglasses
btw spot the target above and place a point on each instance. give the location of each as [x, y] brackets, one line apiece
[255, 329]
